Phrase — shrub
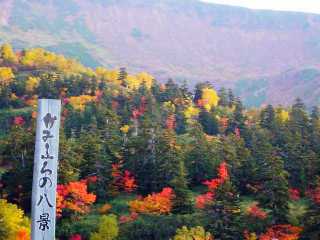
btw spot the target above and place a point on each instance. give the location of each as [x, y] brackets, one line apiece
[159, 226]
[13, 224]
[108, 228]
[193, 233]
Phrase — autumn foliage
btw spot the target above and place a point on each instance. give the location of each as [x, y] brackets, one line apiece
[191, 112]
[18, 121]
[23, 234]
[13, 224]
[155, 203]
[314, 194]
[122, 180]
[197, 233]
[79, 102]
[75, 237]
[223, 175]
[105, 208]
[255, 211]
[130, 130]
[209, 99]
[204, 199]
[294, 194]
[128, 218]
[138, 112]
[281, 232]
[6, 76]
[74, 196]
[171, 122]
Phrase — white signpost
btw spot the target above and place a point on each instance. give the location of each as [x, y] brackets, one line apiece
[45, 170]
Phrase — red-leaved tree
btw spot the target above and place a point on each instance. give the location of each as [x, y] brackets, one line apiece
[281, 232]
[206, 198]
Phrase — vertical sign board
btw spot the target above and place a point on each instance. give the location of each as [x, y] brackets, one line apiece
[45, 170]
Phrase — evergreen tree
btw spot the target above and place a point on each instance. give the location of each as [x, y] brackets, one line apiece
[201, 157]
[231, 98]
[17, 151]
[168, 158]
[141, 156]
[268, 170]
[223, 98]
[224, 213]
[298, 121]
[315, 130]
[312, 218]
[237, 123]
[183, 196]
[198, 90]
[267, 118]
[171, 92]
[185, 90]
[276, 188]
[208, 122]
[47, 87]
[70, 160]
[234, 152]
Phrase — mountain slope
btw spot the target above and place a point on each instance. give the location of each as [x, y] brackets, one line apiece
[183, 39]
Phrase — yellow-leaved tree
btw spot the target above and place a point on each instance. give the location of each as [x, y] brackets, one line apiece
[135, 81]
[282, 114]
[7, 54]
[13, 224]
[108, 76]
[6, 76]
[32, 83]
[209, 98]
[79, 102]
[169, 106]
[145, 78]
[191, 112]
[125, 128]
[38, 57]
[108, 228]
[193, 233]
[132, 82]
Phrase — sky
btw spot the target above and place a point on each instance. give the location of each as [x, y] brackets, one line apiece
[312, 6]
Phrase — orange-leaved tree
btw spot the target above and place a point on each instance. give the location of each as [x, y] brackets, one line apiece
[74, 197]
[281, 232]
[155, 203]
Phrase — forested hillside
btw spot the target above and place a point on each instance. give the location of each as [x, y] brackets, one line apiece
[247, 50]
[141, 159]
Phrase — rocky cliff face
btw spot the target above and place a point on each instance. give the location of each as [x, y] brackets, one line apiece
[252, 51]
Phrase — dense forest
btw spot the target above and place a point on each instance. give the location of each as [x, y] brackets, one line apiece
[140, 159]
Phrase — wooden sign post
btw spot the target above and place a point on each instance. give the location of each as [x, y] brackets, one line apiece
[45, 170]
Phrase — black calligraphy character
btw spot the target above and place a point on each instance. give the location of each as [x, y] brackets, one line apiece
[43, 182]
[47, 156]
[47, 134]
[49, 120]
[43, 170]
[44, 221]
[47, 200]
